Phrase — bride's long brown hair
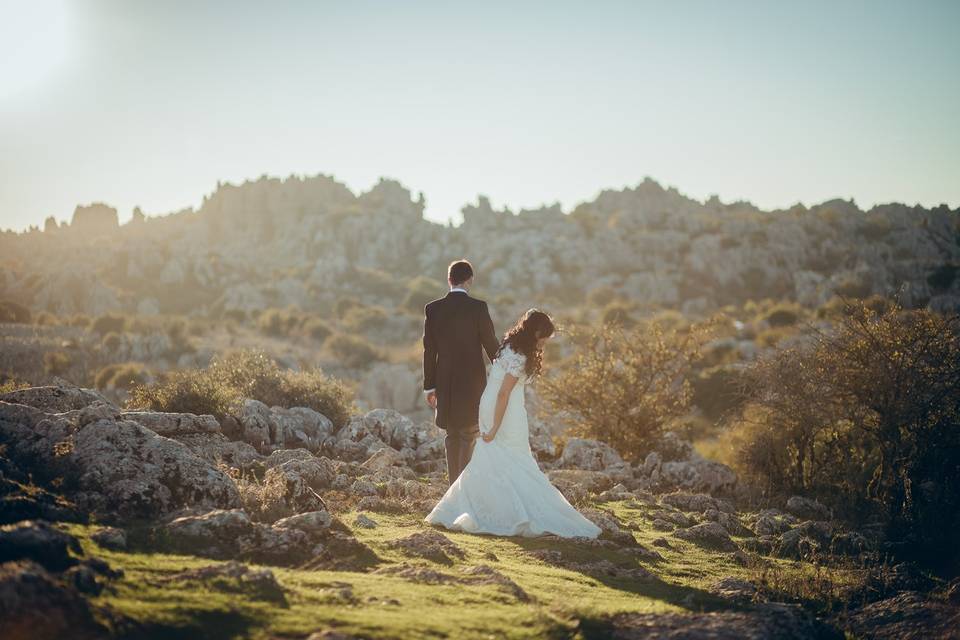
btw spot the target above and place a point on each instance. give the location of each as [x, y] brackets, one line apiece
[523, 336]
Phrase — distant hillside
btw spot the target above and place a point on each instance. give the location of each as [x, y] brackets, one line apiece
[308, 242]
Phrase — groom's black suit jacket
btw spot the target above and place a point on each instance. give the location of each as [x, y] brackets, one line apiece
[457, 329]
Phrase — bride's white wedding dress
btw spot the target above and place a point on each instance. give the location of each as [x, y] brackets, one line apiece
[502, 491]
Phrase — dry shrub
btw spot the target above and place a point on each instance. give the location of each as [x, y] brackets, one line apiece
[622, 385]
[217, 388]
[352, 351]
[865, 417]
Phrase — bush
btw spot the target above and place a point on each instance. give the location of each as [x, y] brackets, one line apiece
[45, 318]
[56, 363]
[943, 277]
[9, 382]
[124, 375]
[618, 314]
[108, 323]
[420, 291]
[80, 320]
[865, 416]
[11, 311]
[783, 315]
[352, 351]
[622, 386]
[254, 374]
[237, 315]
[279, 322]
[176, 330]
[773, 336]
[602, 296]
[317, 329]
[185, 391]
[717, 391]
[112, 341]
[343, 305]
[361, 319]
[374, 282]
[245, 374]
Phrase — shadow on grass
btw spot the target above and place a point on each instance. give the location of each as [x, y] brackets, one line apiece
[203, 625]
[577, 557]
[342, 552]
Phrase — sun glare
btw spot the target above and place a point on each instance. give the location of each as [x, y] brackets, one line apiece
[34, 43]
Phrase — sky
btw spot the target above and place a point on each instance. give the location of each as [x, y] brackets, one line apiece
[146, 103]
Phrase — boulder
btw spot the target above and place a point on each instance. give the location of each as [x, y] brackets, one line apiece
[807, 508]
[127, 469]
[589, 455]
[429, 544]
[697, 474]
[772, 522]
[804, 539]
[541, 441]
[382, 429]
[217, 534]
[119, 467]
[735, 589]
[678, 466]
[728, 521]
[282, 456]
[382, 459]
[314, 523]
[592, 481]
[40, 542]
[364, 521]
[302, 427]
[216, 448]
[671, 447]
[850, 543]
[759, 622]
[21, 499]
[35, 605]
[905, 615]
[609, 525]
[54, 399]
[695, 502]
[110, 538]
[235, 577]
[173, 424]
[762, 545]
[709, 535]
[294, 487]
[362, 487]
[257, 424]
[230, 534]
[675, 518]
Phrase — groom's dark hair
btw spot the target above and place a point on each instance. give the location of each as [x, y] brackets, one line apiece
[459, 272]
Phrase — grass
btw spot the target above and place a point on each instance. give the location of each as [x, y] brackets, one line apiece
[561, 600]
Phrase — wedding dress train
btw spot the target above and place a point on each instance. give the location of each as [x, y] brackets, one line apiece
[502, 490]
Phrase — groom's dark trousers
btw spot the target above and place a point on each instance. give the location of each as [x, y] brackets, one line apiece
[457, 331]
[459, 444]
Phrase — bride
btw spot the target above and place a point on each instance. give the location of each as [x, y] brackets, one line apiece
[502, 491]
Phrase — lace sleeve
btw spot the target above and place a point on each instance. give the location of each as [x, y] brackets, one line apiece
[513, 363]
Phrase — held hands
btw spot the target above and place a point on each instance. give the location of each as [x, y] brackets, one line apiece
[432, 399]
[489, 435]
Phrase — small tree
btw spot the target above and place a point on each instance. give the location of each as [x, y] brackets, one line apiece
[622, 385]
[866, 414]
[896, 375]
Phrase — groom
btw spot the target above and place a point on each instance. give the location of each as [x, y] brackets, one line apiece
[457, 329]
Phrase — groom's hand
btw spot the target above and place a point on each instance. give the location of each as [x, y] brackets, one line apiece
[432, 399]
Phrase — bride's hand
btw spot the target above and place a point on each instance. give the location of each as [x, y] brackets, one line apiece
[488, 437]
